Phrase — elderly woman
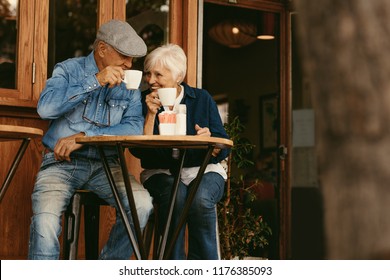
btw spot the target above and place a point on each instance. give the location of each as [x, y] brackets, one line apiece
[165, 67]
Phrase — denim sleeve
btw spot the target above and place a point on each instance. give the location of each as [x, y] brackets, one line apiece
[64, 91]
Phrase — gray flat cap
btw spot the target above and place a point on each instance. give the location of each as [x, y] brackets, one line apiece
[122, 37]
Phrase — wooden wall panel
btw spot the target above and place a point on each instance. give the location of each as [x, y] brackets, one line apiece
[104, 12]
[183, 28]
[119, 9]
[15, 208]
[190, 44]
[41, 33]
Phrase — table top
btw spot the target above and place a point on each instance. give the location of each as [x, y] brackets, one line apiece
[14, 132]
[152, 141]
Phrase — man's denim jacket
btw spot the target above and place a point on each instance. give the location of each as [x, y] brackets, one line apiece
[74, 101]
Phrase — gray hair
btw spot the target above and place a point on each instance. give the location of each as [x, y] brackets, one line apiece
[170, 56]
[95, 44]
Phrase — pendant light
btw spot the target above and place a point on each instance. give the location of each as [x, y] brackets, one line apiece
[265, 26]
[233, 33]
[238, 33]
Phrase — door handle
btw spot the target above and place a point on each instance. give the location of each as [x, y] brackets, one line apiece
[282, 152]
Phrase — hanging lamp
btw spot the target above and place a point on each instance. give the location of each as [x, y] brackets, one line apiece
[265, 28]
[233, 33]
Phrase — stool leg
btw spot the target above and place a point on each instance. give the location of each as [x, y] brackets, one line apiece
[68, 221]
[71, 228]
[91, 222]
[217, 231]
[157, 237]
[148, 234]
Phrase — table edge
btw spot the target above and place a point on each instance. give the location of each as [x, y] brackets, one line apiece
[202, 140]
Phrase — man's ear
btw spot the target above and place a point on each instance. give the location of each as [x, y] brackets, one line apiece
[102, 49]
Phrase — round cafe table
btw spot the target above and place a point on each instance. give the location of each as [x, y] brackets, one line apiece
[14, 133]
[181, 143]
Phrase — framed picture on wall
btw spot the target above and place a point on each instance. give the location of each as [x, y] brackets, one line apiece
[268, 121]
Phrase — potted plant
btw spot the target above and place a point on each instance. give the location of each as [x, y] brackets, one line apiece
[239, 230]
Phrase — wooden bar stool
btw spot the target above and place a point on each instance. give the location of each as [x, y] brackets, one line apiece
[91, 203]
[151, 234]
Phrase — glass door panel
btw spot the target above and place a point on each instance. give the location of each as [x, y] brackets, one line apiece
[22, 52]
[72, 29]
[8, 43]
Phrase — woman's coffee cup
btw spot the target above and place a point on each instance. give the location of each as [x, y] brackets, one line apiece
[132, 78]
[167, 96]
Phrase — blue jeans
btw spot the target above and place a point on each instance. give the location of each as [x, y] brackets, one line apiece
[202, 216]
[55, 184]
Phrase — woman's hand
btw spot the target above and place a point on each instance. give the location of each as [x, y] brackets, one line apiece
[153, 102]
[205, 131]
[202, 131]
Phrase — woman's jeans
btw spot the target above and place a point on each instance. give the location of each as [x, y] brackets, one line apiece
[202, 216]
[55, 184]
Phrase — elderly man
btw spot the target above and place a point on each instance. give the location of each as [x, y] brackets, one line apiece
[86, 96]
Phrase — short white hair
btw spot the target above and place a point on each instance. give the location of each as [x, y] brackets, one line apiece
[170, 56]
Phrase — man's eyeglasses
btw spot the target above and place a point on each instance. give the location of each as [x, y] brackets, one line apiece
[97, 123]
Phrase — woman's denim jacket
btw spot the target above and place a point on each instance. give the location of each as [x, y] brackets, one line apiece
[74, 101]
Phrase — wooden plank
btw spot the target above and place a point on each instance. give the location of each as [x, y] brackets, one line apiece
[41, 33]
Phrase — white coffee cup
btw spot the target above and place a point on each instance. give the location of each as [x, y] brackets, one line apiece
[132, 78]
[167, 96]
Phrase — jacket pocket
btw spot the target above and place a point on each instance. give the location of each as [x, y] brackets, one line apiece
[117, 109]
